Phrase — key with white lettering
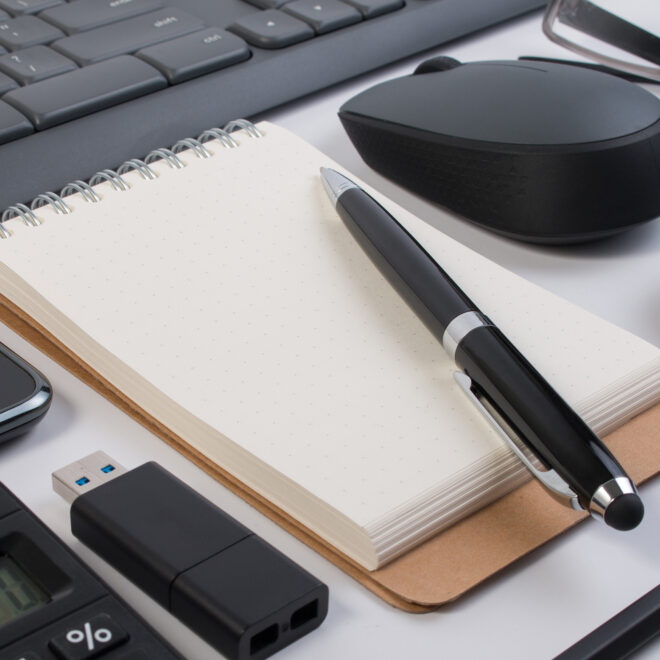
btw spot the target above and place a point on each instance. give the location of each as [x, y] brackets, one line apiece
[271, 29]
[196, 54]
[36, 63]
[26, 31]
[82, 15]
[20, 7]
[323, 15]
[128, 36]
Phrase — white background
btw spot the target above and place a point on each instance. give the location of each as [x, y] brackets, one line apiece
[535, 609]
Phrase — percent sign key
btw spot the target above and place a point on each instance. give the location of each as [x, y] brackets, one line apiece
[89, 639]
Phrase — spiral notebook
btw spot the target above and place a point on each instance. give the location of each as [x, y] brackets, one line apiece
[212, 292]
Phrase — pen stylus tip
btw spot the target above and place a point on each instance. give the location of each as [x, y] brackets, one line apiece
[624, 512]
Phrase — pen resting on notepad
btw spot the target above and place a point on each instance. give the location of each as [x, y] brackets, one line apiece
[506, 388]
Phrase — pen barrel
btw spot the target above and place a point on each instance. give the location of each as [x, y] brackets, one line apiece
[409, 268]
[518, 392]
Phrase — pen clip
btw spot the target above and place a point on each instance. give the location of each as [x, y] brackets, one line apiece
[550, 480]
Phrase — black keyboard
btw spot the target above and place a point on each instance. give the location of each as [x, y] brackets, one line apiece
[87, 84]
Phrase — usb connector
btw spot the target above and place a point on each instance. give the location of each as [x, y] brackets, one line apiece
[235, 590]
[85, 475]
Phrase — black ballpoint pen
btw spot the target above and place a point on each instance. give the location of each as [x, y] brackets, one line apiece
[575, 466]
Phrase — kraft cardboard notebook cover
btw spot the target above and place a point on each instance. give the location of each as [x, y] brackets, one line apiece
[335, 412]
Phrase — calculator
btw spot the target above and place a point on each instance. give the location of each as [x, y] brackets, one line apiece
[53, 607]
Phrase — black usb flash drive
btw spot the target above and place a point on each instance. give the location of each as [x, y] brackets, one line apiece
[236, 591]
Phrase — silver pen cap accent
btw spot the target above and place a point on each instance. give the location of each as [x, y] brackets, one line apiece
[335, 184]
[554, 484]
[461, 326]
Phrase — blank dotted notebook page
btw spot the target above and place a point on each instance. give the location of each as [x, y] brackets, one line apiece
[234, 289]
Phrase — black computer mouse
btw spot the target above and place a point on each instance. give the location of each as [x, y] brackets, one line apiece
[542, 152]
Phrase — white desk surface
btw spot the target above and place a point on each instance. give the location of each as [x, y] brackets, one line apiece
[536, 608]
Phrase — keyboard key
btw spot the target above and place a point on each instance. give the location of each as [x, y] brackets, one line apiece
[271, 29]
[371, 8]
[3, 15]
[80, 92]
[13, 124]
[268, 4]
[82, 15]
[6, 83]
[195, 54]
[20, 7]
[36, 63]
[323, 15]
[128, 36]
[26, 31]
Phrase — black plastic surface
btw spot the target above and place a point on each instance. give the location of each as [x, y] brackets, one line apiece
[403, 261]
[76, 597]
[625, 512]
[233, 589]
[25, 395]
[76, 150]
[244, 601]
[541, 152]
[152, 527]
[521, 395]
[512, 103]
[623, 634]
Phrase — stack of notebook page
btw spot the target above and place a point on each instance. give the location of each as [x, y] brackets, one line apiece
[226, 301]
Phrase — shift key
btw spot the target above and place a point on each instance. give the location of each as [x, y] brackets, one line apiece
[83, 91]
[127, 36]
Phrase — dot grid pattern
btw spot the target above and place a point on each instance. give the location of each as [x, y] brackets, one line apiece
[233, 287]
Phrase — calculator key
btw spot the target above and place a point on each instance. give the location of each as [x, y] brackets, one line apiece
[89, 639]
[323, 15]
[6, 83]
[26, 31]
[36, 63]
[195, 54]
[128, 36]
[13, 124]
[68, 96]
[271, 29]
[81, 15]
[19, 7]
[371, 8]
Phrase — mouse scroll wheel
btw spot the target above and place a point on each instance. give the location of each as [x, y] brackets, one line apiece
[435, 64]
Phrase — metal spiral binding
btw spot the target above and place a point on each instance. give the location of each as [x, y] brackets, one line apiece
[246, 125]
[115, 178]
[218, 134]
[88, 193]
[190, 143]
[60, 206]
[138, 165]
[165, 154]
[21, 211]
